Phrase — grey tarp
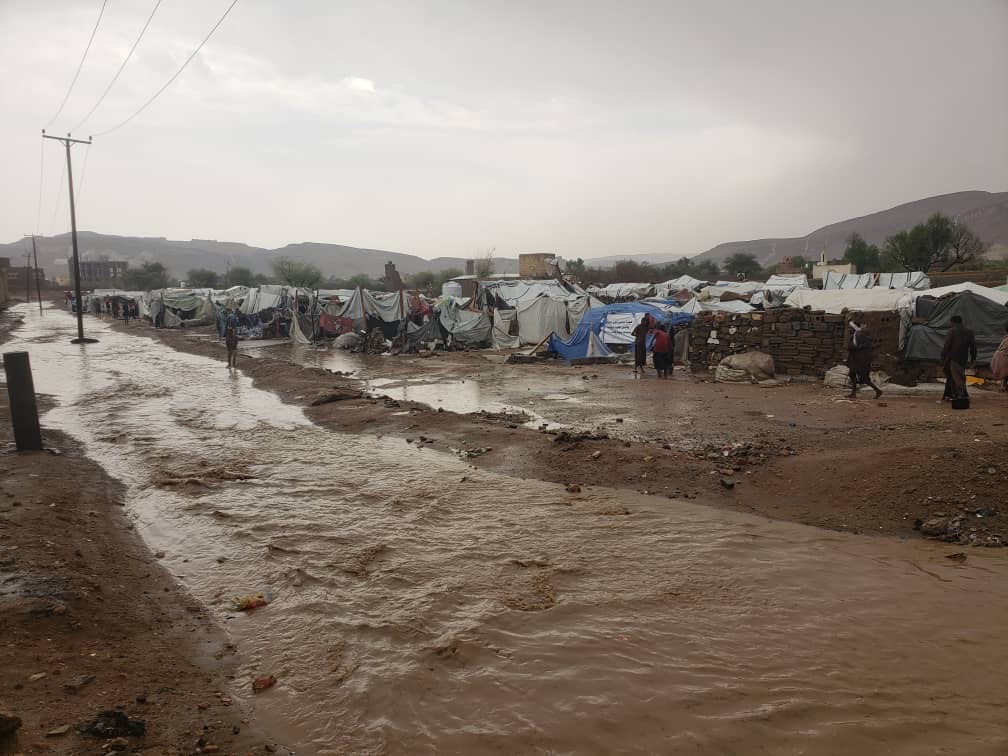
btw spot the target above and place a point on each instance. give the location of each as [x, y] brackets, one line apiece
[465, 326]
[502, 326]
[985, 318]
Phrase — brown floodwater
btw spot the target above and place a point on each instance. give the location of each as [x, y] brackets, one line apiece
[422, 606]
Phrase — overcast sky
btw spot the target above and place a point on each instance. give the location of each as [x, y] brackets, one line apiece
[442, 128]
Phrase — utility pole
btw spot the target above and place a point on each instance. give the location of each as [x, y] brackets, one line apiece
[27, 277]
[67, 141]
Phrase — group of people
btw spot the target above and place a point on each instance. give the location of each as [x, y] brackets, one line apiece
[661, 349]
[959, 353]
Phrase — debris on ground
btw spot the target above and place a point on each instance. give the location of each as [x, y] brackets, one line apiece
[263, 683]
[9, 724]
[250, 602]
[113, 724]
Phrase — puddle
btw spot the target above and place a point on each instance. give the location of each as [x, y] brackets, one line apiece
[423, 606]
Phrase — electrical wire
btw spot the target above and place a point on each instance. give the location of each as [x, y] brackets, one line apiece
[41, 181]
[59, 201]
[121, 67]
[79, 65]
[80, 181]
[174, 76]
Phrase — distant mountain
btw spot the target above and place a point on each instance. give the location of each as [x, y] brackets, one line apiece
[181, 256]
[984, 212]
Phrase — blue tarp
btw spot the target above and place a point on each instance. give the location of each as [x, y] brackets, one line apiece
[586, 340]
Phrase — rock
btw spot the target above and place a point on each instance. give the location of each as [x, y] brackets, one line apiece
[57, 731]
[959, 556]
[936, 526]
[573, 488]
[112, 724]
[37, 676]
[727, 483]
[9, 724]
[596, 454]
[118, 744]
[77, 683]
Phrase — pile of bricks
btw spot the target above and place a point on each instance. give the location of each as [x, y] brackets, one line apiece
[801, 342]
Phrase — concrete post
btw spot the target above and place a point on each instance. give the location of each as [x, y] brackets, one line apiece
[23, 409]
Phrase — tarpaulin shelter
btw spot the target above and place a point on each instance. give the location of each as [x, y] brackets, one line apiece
[985, 317]
[993, 294]
[694, 306]
[905, 280]
[622, 290]
[177, 308]
[540, 308]
[667, 288]
[612, 324]
[463, 325]
[837, 300]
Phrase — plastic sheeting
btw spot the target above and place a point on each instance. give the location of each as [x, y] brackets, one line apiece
[837, 300]
[906, 280]
[733, 305]
[465, 326]
[540, 317]
[266, 297]
[787, 281]
[667, 288]
[983, 316]
[615, 290]
[502, 338]
[584, 342]
[995, 295]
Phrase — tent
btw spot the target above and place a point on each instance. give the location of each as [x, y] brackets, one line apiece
[464, 326]
[995, 295]
[622, 290]
[912, 280]
[837, 300]
[983, 316]
[612, 324]
[667, 288]
[732, 305]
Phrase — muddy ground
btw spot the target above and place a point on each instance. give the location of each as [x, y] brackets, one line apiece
[90, 621]
[798, 452]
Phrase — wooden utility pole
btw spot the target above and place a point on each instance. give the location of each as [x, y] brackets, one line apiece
[67, 141]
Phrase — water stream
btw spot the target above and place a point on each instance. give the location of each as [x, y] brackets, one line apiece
[422, 606]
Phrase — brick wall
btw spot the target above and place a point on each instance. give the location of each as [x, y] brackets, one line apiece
[801, 342]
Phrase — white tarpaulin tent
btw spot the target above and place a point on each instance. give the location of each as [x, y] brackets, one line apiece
[732, 305]
[665, 288]
[837, 300]
[502, 338]
[995, 295]
[540, 317]
[617, 328]
[617, 290]
[911, 280]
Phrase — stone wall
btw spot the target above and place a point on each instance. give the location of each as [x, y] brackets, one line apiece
[801, 342]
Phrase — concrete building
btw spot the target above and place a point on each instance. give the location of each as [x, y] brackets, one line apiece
[538, 265]
[821, 268]
[98, 271]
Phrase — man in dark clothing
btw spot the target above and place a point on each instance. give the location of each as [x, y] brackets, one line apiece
[231, 342]
[958, 353]
[859, 357]
[661, 352]
[640, 333]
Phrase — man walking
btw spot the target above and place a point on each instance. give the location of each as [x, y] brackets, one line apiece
[860, 351]
[959, 352]
[640, 334]
[661, 352]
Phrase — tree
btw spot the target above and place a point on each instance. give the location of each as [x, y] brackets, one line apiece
[240, 276]
[149, 276]
[576, 269]
[939, 242]
[862, 255]
[743, 263]
[799, 262]
[484, 264]
[706, 271]
[431, 282]
[201, 278]
[296, 273]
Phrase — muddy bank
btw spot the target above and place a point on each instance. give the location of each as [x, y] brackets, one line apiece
[91, 622]
[799, 453]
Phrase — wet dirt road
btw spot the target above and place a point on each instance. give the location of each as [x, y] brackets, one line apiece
[421, 606]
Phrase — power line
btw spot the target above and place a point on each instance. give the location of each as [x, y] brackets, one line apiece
[80, 181]
[41, 179]
[59, 201]
[121, 67]
[80, 65]
[175, 75]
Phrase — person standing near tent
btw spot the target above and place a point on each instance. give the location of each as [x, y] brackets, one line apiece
[231, 342]
[959, 352]
[860, 351]
[640, 334]
[999, 363]
[124, 308]
[661, 353]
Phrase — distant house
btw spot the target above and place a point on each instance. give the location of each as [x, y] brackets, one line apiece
[538, 265]
[821, 268]
[99, 271]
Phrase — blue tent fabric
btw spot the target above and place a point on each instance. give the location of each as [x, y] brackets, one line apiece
[581, 342]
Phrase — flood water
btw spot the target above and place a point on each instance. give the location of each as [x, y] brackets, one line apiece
[422, 606]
